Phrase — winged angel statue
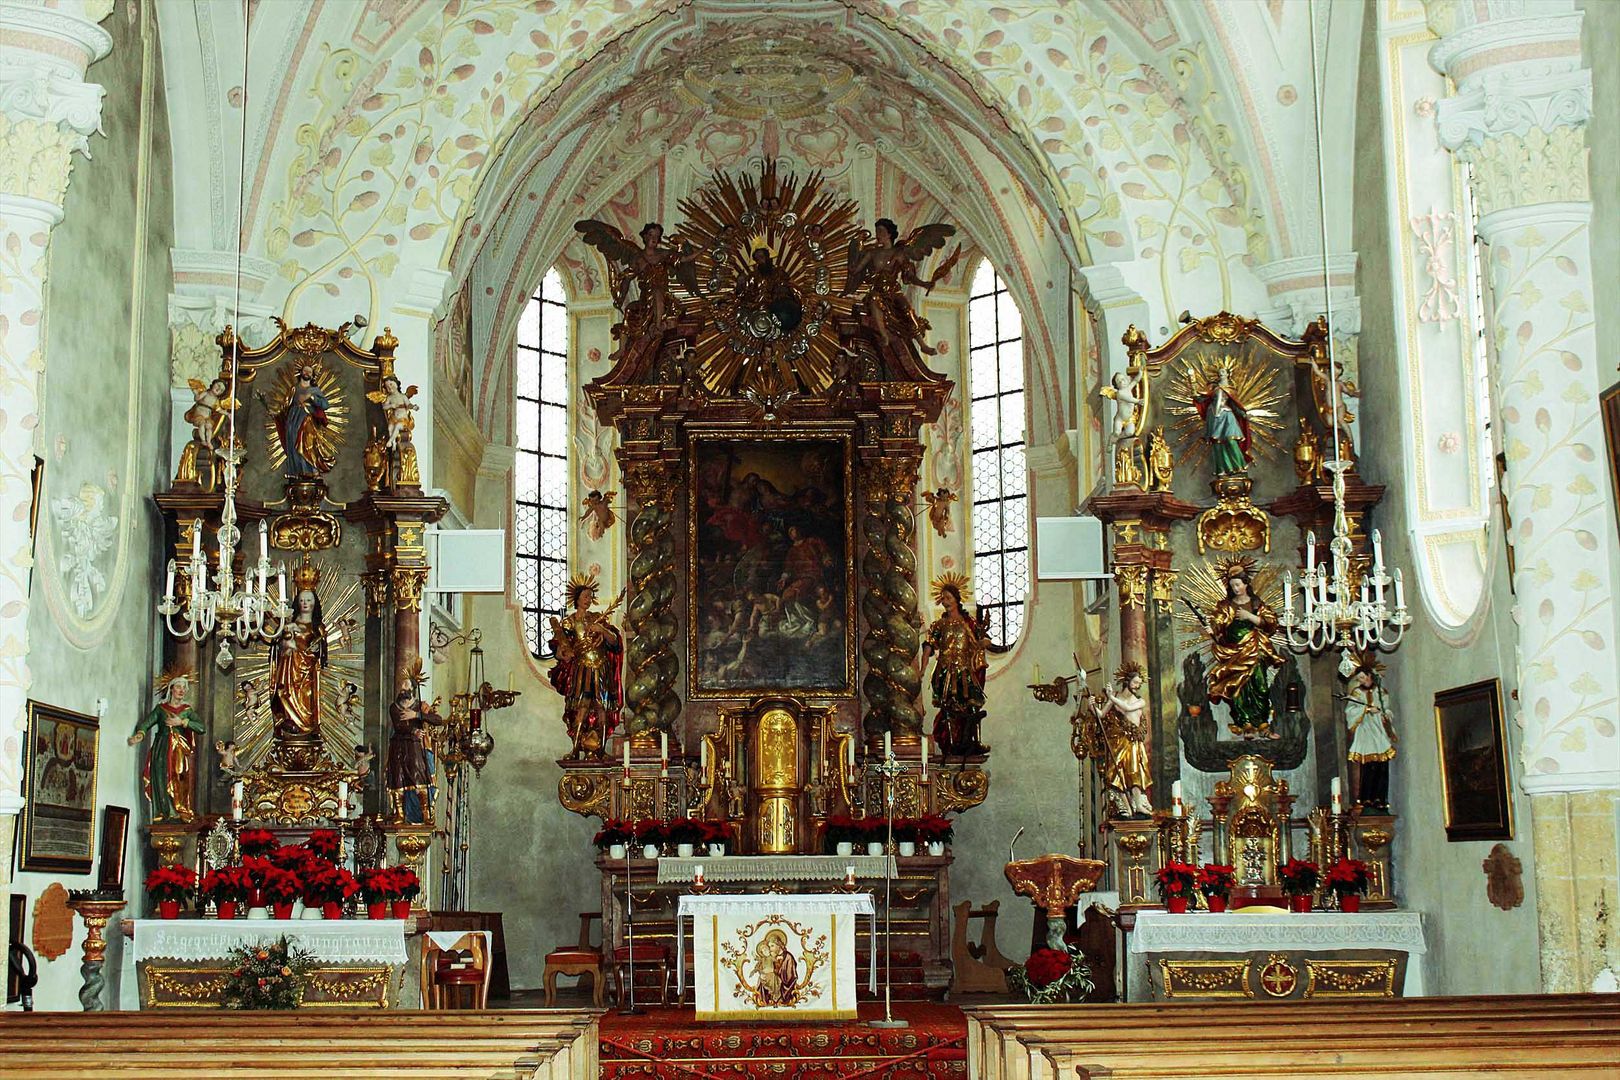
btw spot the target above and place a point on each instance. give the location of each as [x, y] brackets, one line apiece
[650, 268]
[886, 267]
[88, 532]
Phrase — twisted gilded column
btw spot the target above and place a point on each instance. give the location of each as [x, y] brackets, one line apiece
[889, 599]
[651, 702]
[1518, 118]
[95, 910]
[47, 114]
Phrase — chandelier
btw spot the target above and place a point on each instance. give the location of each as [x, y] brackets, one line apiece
[1345, 603]
[241, 612]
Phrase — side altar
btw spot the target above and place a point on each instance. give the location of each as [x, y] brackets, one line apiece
[769, 390]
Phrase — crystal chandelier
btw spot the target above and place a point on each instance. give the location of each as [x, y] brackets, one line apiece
[240, 612]
[1343, 607]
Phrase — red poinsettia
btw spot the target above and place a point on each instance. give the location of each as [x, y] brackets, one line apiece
[1299, 877]
[325, 843]
[1176, 879]
[171, 882]
[280, 886]
[256, 842]
[228, 883]
[325, 883]
[715, 832]
[297, 858]
[613, 831]
[1214, 879]
[649, 831]
[935, 829]
[1046, 966]
[1349, 877]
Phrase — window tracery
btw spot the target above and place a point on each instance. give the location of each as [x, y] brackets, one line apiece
[540, 473]
[998, 473]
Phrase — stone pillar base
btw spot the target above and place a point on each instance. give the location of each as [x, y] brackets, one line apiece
[1576, 885]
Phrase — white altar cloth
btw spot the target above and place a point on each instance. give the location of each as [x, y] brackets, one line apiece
[1158, 932]
[776, 868]
[732, 950]
[329, 941]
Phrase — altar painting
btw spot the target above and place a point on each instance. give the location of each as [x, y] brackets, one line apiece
[770, 607]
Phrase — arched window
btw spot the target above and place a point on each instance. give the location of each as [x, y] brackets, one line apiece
[540, 517]
[998, 475]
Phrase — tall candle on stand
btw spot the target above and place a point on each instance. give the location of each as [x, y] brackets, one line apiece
[627, 759]
[236, 801]
[1338, 805]
[343, 800]
[663, 754]
[925, 756]
[888, 746]
[1175, 798]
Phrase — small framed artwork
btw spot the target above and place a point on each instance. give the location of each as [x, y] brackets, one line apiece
[114, 842]
[18, 913]
[59, 780]
[1609, 406]
[1473, 762]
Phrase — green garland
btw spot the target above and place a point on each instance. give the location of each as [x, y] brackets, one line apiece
[267, 976]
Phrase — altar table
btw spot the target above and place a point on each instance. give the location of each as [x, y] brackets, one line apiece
[772, 868]
[181, 962]
[1276, 956]
[773, 957]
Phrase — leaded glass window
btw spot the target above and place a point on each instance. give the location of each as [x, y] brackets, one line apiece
[540, 516]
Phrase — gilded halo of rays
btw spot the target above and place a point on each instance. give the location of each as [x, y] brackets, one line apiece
[1202, 585]
[340, 610]
[329, 437]
[808, 231]
[1254, 384]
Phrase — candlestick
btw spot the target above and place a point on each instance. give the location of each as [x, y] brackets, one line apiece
[1378, 549]
[1333, 787]
[703, 755]
[888, 746]
[236, 801]
[281, 582]
[663, 745]
[343, 800]
[264, 540]
[1310, 552]
[168, 580]
[849, 877]
[925, 755]
[1400, 591]
[849, 754]
[627, 759]
[196, 540]
[1288, 593]
[1175, 790]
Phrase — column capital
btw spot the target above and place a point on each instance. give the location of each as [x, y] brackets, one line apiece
[47, 111]
[1508, 47]
[1295, 288]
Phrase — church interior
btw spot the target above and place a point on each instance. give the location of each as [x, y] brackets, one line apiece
[853, 538]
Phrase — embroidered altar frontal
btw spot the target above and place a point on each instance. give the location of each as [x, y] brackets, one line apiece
[774, 957]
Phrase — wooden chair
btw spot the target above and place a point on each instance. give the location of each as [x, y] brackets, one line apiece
[650, 956]
[464, 964]
[578, 960]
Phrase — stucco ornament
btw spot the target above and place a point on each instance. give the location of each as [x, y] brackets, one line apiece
[1525, 139]
[87, 533]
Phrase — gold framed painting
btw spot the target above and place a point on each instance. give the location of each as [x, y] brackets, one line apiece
[114, 845]
[1609, 407]
[1474, 777]
[59, 784]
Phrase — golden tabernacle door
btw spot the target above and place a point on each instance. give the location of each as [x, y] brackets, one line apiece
[767, 753]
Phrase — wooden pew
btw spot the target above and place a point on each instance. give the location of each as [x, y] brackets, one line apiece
[308, 1045]
[1508, 1036]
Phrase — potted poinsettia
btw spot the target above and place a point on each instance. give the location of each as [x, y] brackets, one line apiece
[325, 844]
[169, 885]
[1176, 883]
[1299, 879]
[256, 842]
[326, 887]
[1349, 879]
[410, 886]
[1215, 881]
[714, 835]
[842, 833]
[685, 834]
[650, 834]
[227, 887]
[936, 831]
[905, 836]
[380, 887]
[612, 837]
[876, 833]
[280, 888]
[1051, 975]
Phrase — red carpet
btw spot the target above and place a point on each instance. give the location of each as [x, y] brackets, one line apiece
[669, 1042]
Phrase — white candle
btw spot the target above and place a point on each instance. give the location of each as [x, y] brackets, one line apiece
[697, 875]
[1378, 549]
[343, 799]
[168, 581]
[281, 582]
[1288, 595]
[925, 756]
[888, 747]
[264, 540]
[1037, 673]
[849, 753]
[1400, 591]
[1175, 790]
[1175, 809]
[1310, 552]
[196, 541]
[1366, 597]
[663, 746]
[627, 757]
[1338, 805]
[236, 801]
[703, 755]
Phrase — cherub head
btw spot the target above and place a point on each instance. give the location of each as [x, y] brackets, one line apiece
[390, 384]
[652, 234]
[887, 232]
[217, 388]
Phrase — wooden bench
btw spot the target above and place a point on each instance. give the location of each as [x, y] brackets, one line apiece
[1517, 1036]
[508, 1045]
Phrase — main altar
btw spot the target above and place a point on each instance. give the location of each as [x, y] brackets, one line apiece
[769, 391]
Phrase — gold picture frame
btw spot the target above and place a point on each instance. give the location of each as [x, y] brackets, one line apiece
[1609, 407]
[60, 762]
[1475, 791]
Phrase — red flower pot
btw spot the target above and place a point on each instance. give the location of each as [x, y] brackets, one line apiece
[332, 909]
[1176, 905]
[401, 909]
[1217, 903]
[168, 909]
[377, 909]
[1350, 902]
[281, 911]
[227, 909]
[1301, 903]
[255, 898]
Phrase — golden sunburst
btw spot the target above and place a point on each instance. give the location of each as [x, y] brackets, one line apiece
[806, 230]
[1202, 585]
[342, 717]
[328, 436]
[1253, 385]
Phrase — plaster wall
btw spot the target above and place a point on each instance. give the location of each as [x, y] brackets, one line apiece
[105, 423]
[1600, 41]
[1474, 948]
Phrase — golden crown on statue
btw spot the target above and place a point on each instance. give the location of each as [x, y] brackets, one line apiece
[306, 575]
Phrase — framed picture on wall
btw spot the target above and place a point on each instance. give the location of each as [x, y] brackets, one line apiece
[18, 912]
[1473, 762]
[59, 782]
[114, 842]
[1609, 406]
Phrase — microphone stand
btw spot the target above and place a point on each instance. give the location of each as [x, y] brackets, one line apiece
[890, 771]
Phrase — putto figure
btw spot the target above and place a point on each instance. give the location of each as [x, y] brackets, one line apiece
[886, 267]
[650, 268]
[597, 514]
[961, 647]
[209, 411]
[589, 672]
[1118, 742]
[939, 509]
[168, 776]
[397, 407]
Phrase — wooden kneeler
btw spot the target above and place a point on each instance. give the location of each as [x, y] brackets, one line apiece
[977, 969]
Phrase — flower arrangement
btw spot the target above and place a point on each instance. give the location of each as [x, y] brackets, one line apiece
[325, 844]
[1216, 880]
[843, 829]
[229, 884]
[410, 886]
[613, 831]
[379, 884]
[1051, 975]
[294, 857]
[280, 886]
[328, 884]
[267, 977]
[935, 829]
[171, 884]
[1176, 883]
[256, 842]
[1299, 877]
[649, 831]
[714, 832]
[1349, 879]
[683, 831]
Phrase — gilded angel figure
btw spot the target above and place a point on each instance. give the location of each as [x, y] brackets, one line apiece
[649, 267]
[886, 267]
[939, 509]
[397, 407]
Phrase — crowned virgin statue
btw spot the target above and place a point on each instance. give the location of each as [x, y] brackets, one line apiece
[297, 658]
